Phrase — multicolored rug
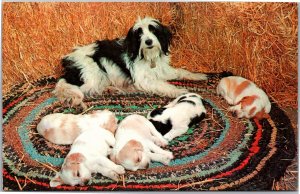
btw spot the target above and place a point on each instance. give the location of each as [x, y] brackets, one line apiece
[220, 153]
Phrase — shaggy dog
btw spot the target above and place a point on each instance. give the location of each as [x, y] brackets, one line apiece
[139, 61]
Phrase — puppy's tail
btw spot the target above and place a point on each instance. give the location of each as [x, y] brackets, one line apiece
[69, 93]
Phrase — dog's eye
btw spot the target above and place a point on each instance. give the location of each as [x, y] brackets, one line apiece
[139, 31]
[151, 28]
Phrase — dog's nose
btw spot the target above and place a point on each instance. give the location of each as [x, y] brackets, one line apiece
[148, 42]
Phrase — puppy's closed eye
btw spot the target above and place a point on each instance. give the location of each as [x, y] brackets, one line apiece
[139, 155]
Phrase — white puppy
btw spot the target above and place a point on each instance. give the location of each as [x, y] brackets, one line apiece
[249, 101]
[137, 144]
[175, 119]
[62, 128]
[88, 155]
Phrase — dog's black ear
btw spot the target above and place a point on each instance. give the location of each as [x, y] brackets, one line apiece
[164, 35]
[132, 43]
[157, 111]
[162, 128]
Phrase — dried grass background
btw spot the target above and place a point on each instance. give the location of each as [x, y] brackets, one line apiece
[255, 40]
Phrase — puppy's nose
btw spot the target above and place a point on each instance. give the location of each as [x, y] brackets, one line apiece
[147, 165]
[148, 42]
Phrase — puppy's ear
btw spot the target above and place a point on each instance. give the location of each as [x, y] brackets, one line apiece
[128, 150]
[248, 100]
[112, 124]
[75, 158]
[56, 181]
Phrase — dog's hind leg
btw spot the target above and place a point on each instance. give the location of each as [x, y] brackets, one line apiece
[175, 133]
[68, 93]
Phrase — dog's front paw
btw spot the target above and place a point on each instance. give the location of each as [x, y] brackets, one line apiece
[199, 76]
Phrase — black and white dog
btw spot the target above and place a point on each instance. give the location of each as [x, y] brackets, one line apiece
[178, 116]
[140, 61]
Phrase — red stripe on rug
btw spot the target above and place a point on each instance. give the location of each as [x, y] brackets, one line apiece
[84, 188]
[253, 150]
[4, 110]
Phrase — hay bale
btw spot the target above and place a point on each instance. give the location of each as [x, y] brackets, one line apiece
[254, 40]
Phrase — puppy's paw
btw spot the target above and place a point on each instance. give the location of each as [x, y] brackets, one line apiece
[113, 175]
[161, 142]
[168, 137]
[167, 157]
[166, 160]
[120, 169]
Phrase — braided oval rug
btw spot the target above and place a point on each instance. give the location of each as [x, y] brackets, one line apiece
[220, 153]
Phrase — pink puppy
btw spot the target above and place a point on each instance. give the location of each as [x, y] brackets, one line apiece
[62, 128]
[247, 99]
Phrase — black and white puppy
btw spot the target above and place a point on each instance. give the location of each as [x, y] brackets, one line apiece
[175, 119]
[139, 61]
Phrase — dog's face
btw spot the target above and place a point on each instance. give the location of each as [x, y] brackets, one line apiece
[73, 171]
[132, 156]
[148, 39]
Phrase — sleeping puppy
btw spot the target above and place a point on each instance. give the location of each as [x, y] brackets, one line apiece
[175, 119]
[88, 155]
[62, 128]
[137, 143]
[247, 99]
